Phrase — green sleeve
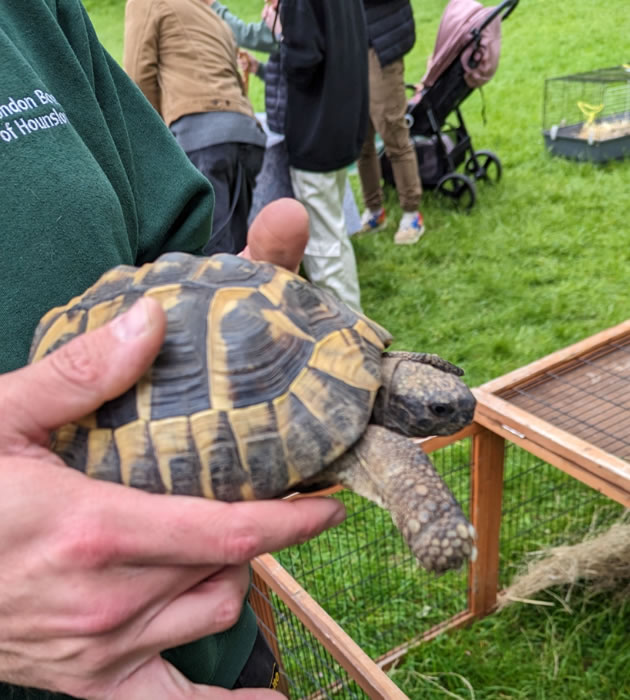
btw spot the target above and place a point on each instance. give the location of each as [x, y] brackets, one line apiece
[219, 659]
[173, 206]
[92, 178]
[173, 201]
[255, 36]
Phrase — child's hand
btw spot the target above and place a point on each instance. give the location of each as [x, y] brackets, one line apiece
[247, 63]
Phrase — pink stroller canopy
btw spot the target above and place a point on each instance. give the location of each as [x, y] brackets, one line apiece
[459, 19]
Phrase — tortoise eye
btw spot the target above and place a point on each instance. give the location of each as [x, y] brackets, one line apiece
[441, 409]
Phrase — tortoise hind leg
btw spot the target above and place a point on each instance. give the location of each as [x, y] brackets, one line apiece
[396, 474]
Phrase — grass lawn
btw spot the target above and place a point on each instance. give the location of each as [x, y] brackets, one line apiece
[540, 262]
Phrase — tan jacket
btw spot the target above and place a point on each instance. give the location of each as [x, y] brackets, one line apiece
[182, 55]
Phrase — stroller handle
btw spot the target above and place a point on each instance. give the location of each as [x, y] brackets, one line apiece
[509, 6]
[505, 9]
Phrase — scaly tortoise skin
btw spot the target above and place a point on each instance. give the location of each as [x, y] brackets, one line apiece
[267, 384]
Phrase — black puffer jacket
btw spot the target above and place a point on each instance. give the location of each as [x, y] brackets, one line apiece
[275, 93]
[391, 28]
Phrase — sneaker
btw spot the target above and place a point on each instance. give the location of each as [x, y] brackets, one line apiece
[372, 221]
[410, 229]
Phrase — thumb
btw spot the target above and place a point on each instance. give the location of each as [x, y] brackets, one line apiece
[159, 680]
[77, 378]
[279, 234]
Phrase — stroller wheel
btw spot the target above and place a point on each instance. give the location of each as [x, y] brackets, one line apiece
[484, 165]
[460, 189]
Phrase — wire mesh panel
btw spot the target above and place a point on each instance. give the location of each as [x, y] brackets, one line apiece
[570, 409]
[362, 574]
[307, 670]
[587, 115]
[544, 464]
[588, 397]
[543, 507]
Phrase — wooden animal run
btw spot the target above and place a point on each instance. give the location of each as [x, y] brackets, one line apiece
[546, 460]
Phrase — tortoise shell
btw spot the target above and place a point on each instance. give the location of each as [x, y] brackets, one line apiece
[263, 379]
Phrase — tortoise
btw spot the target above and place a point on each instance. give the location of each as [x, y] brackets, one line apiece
[267, 384]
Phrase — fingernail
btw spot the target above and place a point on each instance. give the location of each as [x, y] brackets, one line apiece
[339, 514]
[132, 323]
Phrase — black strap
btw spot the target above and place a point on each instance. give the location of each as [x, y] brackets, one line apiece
[261, 669]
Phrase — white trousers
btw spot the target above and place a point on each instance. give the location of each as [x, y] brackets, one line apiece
[329, 257]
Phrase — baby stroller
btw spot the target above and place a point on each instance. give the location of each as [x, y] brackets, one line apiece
[465, 57]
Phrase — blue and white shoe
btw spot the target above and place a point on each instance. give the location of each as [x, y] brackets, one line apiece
[372, 221]
[410, 229]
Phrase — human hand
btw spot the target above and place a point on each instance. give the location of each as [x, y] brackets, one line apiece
[98, 578]
[279, 234]
[246, 62]
[270, 16]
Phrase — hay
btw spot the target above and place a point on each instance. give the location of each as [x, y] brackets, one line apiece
[603, 561]
[603, 131]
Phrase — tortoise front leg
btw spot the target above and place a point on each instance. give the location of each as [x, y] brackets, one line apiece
[396, 474]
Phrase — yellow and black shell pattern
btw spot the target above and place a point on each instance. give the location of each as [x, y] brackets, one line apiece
[262, 381]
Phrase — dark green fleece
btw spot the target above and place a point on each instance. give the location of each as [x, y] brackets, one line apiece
[91, 178]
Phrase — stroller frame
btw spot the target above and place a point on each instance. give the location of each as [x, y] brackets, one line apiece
[451, 146]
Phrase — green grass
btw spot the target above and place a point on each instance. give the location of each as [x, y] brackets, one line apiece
[108, 17]
[365, 578]
[528, 652]
[541, 262]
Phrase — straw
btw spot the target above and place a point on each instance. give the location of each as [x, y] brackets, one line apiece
[603, 561]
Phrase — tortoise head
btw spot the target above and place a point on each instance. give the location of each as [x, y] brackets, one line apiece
[422, 395]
